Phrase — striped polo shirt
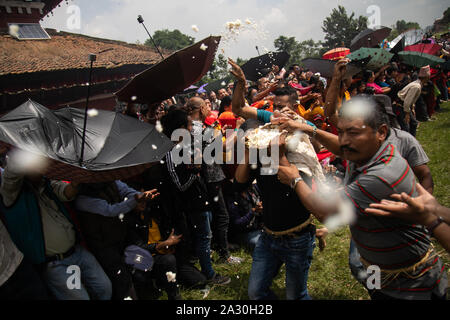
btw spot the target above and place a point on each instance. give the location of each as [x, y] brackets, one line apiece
[391, 243]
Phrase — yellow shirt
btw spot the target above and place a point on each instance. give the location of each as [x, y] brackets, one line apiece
[154, 236]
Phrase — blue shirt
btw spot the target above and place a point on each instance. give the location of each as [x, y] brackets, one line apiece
[102, 207]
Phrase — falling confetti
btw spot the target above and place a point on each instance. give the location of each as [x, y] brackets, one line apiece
[158, 126]
[128, 298]
[121, 216]
[92, 112]
[195, 28]
[154, 147]
[171, 277]
[14, 30]
[203, 47]
[133, 98]
[162, 162]
[216, 198]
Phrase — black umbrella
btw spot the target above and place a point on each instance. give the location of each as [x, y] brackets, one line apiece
[255, 68]
[326, 67]
[116, 146]
[369, 38]
[446, 66]
[172, 75]
[218, 84]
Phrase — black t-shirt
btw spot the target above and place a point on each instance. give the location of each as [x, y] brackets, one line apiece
[282, 208]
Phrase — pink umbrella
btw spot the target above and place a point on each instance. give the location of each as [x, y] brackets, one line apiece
[428, 48]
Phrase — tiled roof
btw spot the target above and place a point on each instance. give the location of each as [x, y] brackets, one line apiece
[69, 51]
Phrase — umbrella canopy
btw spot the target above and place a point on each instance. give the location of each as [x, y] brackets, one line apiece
[190, 89]
[202, 88]
[254, 68]
[446, 66]
[378, 57]
[218, 84]
[419, 59]
[116, 146]
[172, 75]
[406, 39]
[336, 54]
[326, 67]
[428, 48]
[369, 38]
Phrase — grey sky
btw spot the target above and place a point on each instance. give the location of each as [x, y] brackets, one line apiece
[116, 19]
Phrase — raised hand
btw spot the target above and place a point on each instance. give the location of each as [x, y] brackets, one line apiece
[236, 70]
[340, 68]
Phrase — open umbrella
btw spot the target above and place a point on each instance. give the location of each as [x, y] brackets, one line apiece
[428, 48]
[378, 57]
[218, 84]
[190, 89]
[254, 68]
[419, 59]
[336, 54]
[405, 39]
[172, 75]
[326, 67]
[202, 89]
[116, 146]
[369, 38]
[445, 66]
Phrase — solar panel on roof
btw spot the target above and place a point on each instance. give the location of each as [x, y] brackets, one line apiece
[30, 31]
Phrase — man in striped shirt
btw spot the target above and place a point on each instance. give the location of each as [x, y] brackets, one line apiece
[410, 268]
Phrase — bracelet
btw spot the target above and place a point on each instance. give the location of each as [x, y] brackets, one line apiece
[434, 224]
[314, 132]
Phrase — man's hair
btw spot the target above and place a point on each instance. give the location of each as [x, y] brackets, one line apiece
[176, 118]
[287, 91]
[225, 102]
[367, 108]
[367, 74]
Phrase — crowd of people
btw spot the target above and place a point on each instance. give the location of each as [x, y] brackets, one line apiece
[171, 217]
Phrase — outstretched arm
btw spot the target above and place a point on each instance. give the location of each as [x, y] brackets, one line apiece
[332, 98]
[423, 210]
[238, 103]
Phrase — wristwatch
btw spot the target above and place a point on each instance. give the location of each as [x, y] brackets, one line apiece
[434, 224]
[295, 181]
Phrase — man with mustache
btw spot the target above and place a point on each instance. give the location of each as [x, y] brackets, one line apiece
[410, 268]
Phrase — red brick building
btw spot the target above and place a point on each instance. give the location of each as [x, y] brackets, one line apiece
[54, 71]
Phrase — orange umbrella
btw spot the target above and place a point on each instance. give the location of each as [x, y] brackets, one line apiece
[336, 54]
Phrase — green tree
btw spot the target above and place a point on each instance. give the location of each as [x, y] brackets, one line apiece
[298, 50]
[400, 27]
[171, 40]
[340, 29]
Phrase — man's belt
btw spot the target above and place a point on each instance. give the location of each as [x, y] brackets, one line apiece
[290, 232]
[60, 256]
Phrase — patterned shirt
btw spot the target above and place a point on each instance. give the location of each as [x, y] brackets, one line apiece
[391, 243]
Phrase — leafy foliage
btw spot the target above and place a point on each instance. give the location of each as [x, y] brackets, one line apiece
[340, 29]
[171, 40]
[400, 27]
[299, 50]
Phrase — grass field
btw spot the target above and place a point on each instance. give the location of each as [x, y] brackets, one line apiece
[330, 276]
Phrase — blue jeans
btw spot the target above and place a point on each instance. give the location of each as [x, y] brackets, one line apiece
[269, 255]
[95, 284]
[356, 266]
[202, 234]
